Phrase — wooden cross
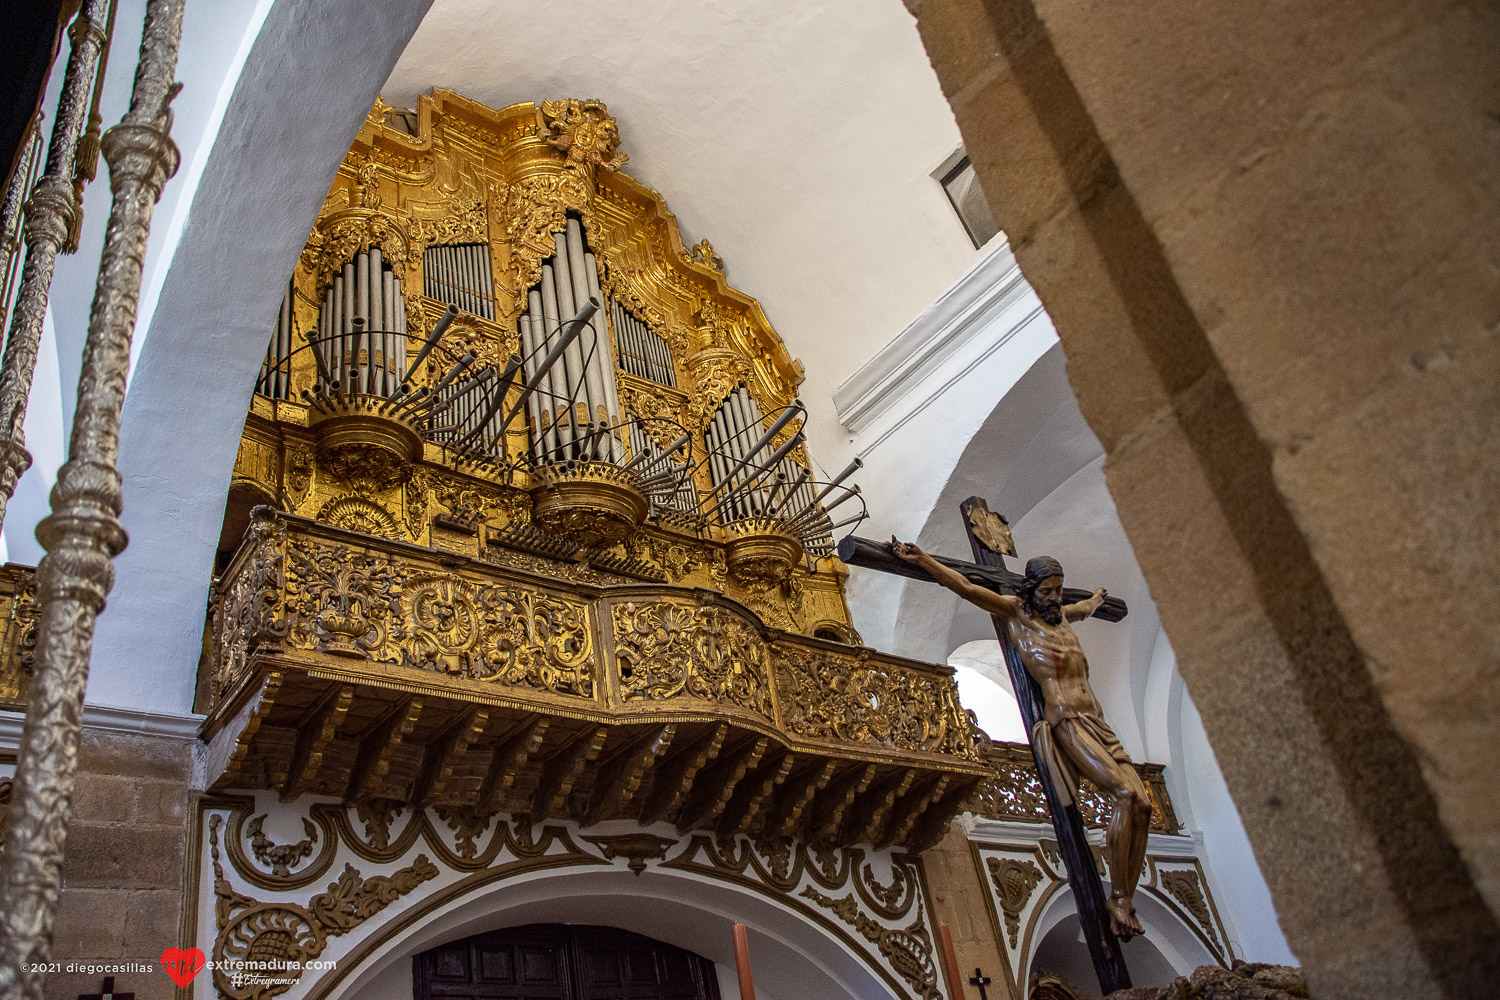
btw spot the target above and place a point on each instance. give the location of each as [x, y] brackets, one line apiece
[981, 980]
[107, 992]
[988, 570]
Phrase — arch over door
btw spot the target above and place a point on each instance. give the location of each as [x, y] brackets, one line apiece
[561, 962]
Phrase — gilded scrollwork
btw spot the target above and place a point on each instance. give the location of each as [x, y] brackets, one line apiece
[276, 940]
[908, 949]
[535, 208]
[827, 695]
[250, 610]
[341, 236]
[1183, 886]
[348, 601]
[670, 650]
[280, 858]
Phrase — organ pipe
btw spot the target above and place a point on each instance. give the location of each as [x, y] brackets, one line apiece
[577, 412]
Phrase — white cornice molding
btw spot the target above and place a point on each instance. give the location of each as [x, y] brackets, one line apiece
[964, 311]
[110, 719]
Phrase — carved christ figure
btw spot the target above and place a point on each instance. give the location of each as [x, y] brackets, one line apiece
[1072, 738]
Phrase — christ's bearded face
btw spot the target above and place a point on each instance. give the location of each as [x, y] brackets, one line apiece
[1046, 600]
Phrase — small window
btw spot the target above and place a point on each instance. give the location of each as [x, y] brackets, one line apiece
[962, 186]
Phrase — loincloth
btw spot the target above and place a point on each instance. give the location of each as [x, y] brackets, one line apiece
[1064, 774]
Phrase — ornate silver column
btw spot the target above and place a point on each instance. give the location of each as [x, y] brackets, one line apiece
[49, 216]
[83, 533]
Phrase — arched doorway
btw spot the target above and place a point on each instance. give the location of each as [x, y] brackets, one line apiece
[562, 962]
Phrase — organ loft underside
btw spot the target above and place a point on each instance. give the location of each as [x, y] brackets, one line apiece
[523, 519]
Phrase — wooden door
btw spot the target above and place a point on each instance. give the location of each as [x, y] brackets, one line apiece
[562, 962]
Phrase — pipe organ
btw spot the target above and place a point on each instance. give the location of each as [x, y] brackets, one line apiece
[576, 410]
[570, 378]
[361, 333]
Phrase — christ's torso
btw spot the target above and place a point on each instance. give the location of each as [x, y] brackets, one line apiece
[1055, 660]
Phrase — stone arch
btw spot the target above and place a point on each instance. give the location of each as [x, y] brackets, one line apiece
[206, 338]
[791, 955]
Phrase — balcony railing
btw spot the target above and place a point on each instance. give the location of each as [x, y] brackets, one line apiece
[1014, 792]
[348, 665]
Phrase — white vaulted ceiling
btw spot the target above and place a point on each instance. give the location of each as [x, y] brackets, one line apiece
[800, 139]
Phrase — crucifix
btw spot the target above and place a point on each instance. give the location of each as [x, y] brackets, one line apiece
[981, 980]
[107, 992]
[1068, 735]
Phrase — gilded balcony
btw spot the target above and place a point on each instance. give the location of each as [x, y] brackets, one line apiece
[384, 672]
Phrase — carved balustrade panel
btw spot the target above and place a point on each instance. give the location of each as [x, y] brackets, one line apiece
[861, 699]
[668, 649]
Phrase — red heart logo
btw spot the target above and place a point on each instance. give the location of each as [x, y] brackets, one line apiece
[182, 964]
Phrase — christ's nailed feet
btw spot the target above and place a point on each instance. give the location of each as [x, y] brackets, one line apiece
[1122, 918]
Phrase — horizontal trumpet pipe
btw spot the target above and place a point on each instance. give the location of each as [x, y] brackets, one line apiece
[838, 480]
[811, 512]
[667, 452]
[438, 329]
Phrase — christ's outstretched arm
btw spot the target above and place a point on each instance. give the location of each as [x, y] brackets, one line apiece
[995, 604]
[1078, 612]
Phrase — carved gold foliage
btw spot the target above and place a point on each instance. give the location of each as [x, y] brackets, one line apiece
[250, 610]
[463, 222]
[349, 232]
[1184, 887]
[715, 373]
[351, 602]
[670, 650]
[1014, 881]
[908, 949]
[535, 208]
[273, 941]
[1015, 791]
[829, 696]
[584, 130]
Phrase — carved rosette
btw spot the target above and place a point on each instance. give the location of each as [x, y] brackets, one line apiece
[828, 696]
[670, 650]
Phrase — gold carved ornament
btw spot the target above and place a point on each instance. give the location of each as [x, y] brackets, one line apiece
[670, 650]
[908, 949]
[276, 940]
[1014, 882]
[346, 601]
[584, 131]
[1184, 887]
[829, 696]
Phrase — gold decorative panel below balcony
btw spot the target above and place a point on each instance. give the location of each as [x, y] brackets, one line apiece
[382, 672]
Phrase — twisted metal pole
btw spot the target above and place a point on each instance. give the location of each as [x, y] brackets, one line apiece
[83, 533]
[49, 219]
